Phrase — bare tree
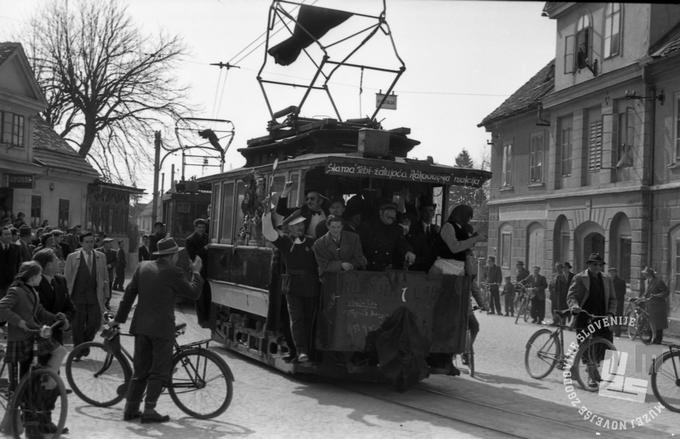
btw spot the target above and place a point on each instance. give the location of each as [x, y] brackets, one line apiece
[108, 86]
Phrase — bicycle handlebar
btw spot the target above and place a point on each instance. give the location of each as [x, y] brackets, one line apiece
[45, 331]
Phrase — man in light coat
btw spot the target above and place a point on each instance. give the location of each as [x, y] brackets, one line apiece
[87, 280]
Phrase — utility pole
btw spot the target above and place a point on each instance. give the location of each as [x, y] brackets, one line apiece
[156, 171]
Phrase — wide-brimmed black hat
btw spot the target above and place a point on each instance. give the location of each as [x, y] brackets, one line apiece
[167, 246]
[294, 218]
[595, 257]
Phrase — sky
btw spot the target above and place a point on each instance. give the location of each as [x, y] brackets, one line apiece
[462, 58]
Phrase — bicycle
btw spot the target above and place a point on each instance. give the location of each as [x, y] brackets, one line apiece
[99, 373]
[642, 325]
[468, 356]
[545, 351]
[523, 306]
[27, 406]
[666, 378]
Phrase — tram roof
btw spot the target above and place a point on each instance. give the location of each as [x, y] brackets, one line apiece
[355, 164]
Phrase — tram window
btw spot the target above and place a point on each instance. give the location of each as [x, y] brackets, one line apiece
[293, 198]
[240, 196]
[226, 216]
[278, 184]
[215, 215]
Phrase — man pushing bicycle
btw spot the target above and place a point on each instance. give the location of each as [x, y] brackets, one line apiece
[593, 292]
[157, 283]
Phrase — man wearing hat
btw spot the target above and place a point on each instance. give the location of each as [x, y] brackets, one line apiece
[593, 292]
[88, 286]
[196, 246]
[10, 259]
[111, 258]
[522, 273]
[300, 282]
[383, 241]
[25, 246]
[155, 285]
[312, 211]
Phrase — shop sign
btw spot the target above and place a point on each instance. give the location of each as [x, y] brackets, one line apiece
[20, 181]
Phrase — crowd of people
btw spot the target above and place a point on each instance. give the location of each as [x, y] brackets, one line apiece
[331, 235]
[562, 285]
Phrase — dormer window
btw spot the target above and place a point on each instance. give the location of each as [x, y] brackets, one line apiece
[584, 46]
[612, 29]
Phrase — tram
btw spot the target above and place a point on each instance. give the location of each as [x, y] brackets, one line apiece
[243, 269]
[339, 158]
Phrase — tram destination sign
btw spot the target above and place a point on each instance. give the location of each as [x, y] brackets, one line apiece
[410, 172]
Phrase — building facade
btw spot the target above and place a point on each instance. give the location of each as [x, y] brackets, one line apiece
[586, 155]
[40, 174]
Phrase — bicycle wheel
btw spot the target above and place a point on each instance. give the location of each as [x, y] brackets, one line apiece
[202, 383]
[99, 378]
[666, 380]
[542, 353]
[644, 328]
[39, 405]
[586, 369]
[527, 312]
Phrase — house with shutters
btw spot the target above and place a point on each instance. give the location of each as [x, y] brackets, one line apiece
[586, 154]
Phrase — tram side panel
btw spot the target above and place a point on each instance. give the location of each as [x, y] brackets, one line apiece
[353, 304]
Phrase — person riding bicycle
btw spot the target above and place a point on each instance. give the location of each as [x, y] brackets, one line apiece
[22, 310]
[592, 292]
[157, 283]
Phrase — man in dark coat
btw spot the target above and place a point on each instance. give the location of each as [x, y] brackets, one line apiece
[620, 291]
[539, 283]
[10, 259]
[25, 246]
[657, 292]
[121, 263]
[53, 290]
[156, 284]
[312, 211]
[559, 286]
[383, 241]
[143, 252]
[494, 277]
[196, 246]
[592, 292]
[422, 236]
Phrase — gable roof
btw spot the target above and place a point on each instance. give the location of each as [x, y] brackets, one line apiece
[668, 45]
[527, 97]
[7, 48]
[52, 151]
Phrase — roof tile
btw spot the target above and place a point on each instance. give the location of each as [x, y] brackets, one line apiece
[526, 97]
[51, 150]
[7, 48]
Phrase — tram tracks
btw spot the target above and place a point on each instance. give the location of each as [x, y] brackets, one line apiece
[503, 420]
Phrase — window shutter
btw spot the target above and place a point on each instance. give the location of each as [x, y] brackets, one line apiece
[569, 54]
[595, 145]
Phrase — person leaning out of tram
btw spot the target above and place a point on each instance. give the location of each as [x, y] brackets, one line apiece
[423, 237]
[312, 211]
[336, 208]
[657, 292]
[300, 282]
[338, 250]
[383, 241]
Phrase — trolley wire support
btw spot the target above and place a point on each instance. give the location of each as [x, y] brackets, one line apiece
[306, 30]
